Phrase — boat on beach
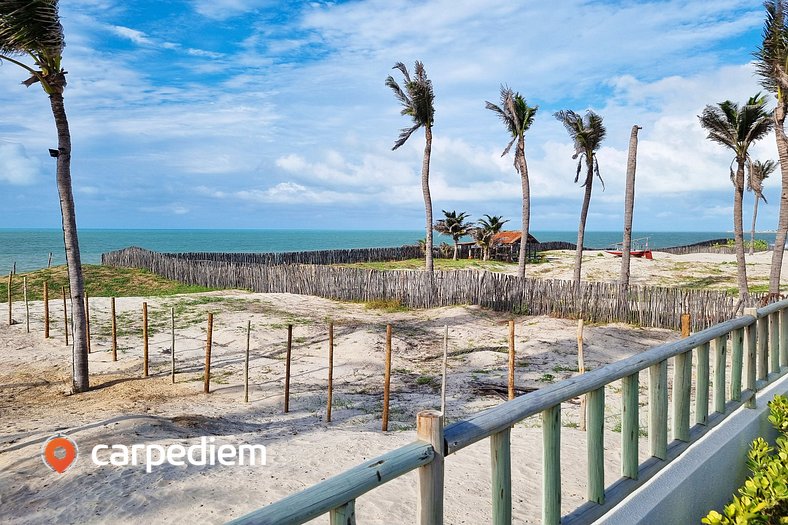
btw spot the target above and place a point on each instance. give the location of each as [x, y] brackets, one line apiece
[639, 248]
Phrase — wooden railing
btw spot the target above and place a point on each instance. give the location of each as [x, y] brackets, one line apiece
[758, 346]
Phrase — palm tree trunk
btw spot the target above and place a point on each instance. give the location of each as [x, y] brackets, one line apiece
[738, 230]
[754, 219]
[526, 206]
[425, 188]
[581, 229]
[782, 223]
[80, 378]
[456, 249]
[629, 205]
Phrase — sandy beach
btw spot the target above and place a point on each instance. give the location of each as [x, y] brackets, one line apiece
[302, 448]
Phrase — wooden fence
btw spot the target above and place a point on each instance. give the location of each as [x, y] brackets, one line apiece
[757, 344]
[594, 302]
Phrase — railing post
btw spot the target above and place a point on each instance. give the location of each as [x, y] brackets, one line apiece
[762, 345]
[658, 409]
[595, 403]
[630, 427]
[784, 337]
[429, 428]
[750, 334]
[344, 515]
[702, 385]
[719, 373]
[501, 458]
[551, 475]
[737, 359]
[774, 342]
[682, 379]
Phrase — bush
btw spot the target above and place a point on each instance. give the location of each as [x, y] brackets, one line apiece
[764, 497]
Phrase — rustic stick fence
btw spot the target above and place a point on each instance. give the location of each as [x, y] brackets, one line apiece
[595, 302]
[758, 343]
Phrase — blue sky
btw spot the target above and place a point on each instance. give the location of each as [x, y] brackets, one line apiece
[263, 114]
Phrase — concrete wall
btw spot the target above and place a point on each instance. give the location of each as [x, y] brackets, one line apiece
[706, 476]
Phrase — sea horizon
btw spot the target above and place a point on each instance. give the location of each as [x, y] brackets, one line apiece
[29, 248]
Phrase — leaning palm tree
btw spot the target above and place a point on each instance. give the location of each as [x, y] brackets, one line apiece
[484, 233]
[31, 29]
[771, 64]
[759, 171]
[737, 128]
[587, 134]
[417, 101]
[453, 224]
[517, 116]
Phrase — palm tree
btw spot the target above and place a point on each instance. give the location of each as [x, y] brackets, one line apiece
[759, 171]
[483, 234]
[517, 116]
[417, 101]
[454, 225]
[629, 204]
[587, 133]
[737, 128]
[771, 64]
[31, 29]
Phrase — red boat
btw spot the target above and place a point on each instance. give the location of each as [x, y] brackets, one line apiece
[639, 248]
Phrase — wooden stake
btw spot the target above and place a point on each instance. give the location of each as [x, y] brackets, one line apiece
[46, 310]
[27, 307]
[581, 367]
[172, 353]
[87, 320]
[49, 263]
[685, 325]
[445, 360]
[208, 344]
[287, 367]
[429, 428]
[387, 380]
[511, 359]
[65, 314]
[10, 320]
[114, 332]
[144, 339]
[330, 370]
[246, 363]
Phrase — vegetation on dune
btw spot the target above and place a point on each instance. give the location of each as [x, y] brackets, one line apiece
[453, 224]
[440, 264]
[100, 281]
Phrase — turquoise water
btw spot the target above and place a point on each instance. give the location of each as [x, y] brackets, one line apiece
[30, 249]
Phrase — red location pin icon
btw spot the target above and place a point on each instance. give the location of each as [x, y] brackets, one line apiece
[60, 452]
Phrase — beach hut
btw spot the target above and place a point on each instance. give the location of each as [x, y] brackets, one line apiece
[506, 246]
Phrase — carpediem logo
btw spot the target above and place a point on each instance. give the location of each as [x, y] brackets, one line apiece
[60, 452]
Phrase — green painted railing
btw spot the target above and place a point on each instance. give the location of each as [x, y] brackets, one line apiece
[758, 347]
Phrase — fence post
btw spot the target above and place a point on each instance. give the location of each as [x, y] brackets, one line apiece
[246, 362]
[702, 385]
[387, 380]
[750, 340]
[27, 307]
[719, 373]
[762, 344]
[658, 409]
[511, 360]
[551, 475]
[87, 321]
[10, 319]
[682, 384]
[144, 339]
[46, 310]
[172, 354]
[596, 445]
[737, 359]
[581, 369]
[784, 337]
[344, 515]
[287, 367]
[630, 426]
[774, 342]
[501, 458]
[208, 343]
[429, 428]
[445, 362]
[65, 314]
[114, 331]
[330, 370]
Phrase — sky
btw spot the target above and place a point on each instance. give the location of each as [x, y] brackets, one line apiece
[265, 114]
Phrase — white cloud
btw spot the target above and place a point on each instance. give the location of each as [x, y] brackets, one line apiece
[16, 166]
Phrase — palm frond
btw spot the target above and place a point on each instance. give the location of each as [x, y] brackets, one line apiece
[508, 147]
[404, 135]
[30, 27]
[417, 99]
[771, 57]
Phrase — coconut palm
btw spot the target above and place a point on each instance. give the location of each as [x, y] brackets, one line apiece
[30, 29]
[517, 116]
[587, 134]
[759, 171]
[629, 205]
[771, 64]
[485, 231]
[737, 127]
[454, 225]
[417, 101]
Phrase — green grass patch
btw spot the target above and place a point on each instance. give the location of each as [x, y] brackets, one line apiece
[386, 305]
[100, 281]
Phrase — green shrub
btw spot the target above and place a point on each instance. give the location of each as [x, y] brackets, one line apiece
[764, 497]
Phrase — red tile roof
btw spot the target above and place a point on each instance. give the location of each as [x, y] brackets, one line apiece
[511, 237]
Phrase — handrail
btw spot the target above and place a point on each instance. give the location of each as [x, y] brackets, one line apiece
[336, 491]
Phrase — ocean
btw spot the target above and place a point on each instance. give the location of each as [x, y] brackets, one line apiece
[30, 249]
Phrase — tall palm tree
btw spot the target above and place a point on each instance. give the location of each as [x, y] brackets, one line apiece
[517, 116]
[454, 225]
[418, 102]
[485, 231]
[771, 64]
[759, 171]
[587, 134]
[629, 205]
[737, 128]
[31, 29]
